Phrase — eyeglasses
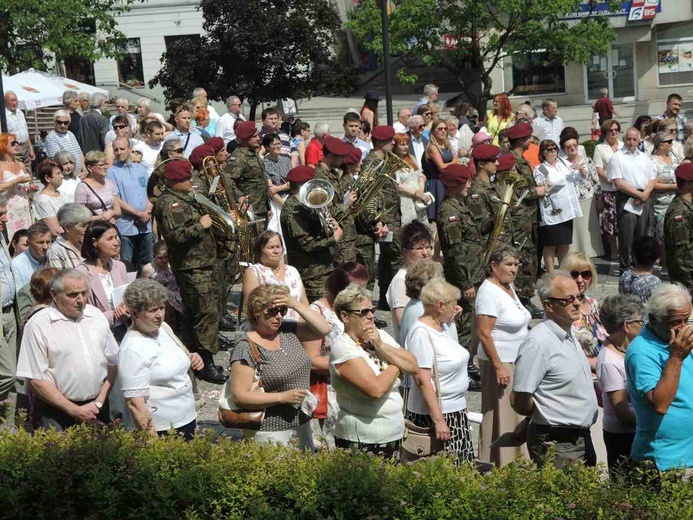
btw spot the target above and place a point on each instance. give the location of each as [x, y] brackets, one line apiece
[671, 131]
[421, 127]
[614, 131]
[364, 312]
[178, 150]
[119, 127]
[273, 311]
[441, 129]
[14, 143]
[428, 113]
[586, 275]
[58, 122]
[639, 322]
[551, 149]
[419, 248]
[668, 141]
[569, 300]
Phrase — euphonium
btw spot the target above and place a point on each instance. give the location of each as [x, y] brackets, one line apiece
[223, 225]
[507, 183]
[317, 194]
[371, 180]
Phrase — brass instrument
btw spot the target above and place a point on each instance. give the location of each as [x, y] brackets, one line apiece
[507, 182]
[318, 194]
[371, 180]
[223, 225]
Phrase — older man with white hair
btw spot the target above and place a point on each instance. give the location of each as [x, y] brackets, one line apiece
[227, 122]
[417, 141]
[122, 106]
[553, 381]
[430, 95]
[145, 112]
[659, 372]
[71, 104]
[60, 139]
[402, 124]
[16, 124]
[314, 152]
[69, 357]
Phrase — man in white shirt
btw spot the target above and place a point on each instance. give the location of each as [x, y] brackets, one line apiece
[631, 172]
[184, 133]
[151, 146]
[69, 357]
[417, 142]
[549, 121]
[226, 122]
[552, 383]
[16, 124]
[402, 124]
[31, 260]
[352, 129]
[455, 136]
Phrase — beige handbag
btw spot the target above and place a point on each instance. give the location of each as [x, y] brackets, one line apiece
[419, 442]
[230, 414]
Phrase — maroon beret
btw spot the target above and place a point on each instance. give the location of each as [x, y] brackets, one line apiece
[178, 170]
[506, 163]
[199, 153]
[685, 172]
[455, 175]
[300, 174]
[519, 131]
[354, 156]
[383, 133]
[216, 142]
[336, 146]
[485, 152]
[246, 130]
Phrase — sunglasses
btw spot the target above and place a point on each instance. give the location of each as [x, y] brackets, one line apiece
[614, 131]
[639, 322]
[552, 149]
[273, 311]
[62, 123]
[569, 300]
[672, 131]
[119, 127]
[14, 143]
[364, 312]
[586, 275]
[668, 141]
[178, 150]
[421, 127]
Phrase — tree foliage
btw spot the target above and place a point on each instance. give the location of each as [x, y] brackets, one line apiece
[260, 50]
[485, 32]
[32, 32]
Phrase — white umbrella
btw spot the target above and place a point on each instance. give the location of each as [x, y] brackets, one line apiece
[33, 94]
[59, 81]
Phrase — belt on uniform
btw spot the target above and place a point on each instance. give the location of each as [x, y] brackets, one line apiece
[7, 308]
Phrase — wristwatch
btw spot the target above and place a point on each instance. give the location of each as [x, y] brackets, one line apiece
[98, 404]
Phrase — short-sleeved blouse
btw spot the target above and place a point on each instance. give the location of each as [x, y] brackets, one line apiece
[84, 195]
[47, 206]
[641, 285]
[280, 370]
[336, 326]
[291, 279]
[589, 331]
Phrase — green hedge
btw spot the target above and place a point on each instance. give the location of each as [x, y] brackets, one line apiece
[103, 474]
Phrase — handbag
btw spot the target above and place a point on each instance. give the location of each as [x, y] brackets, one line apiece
[233, 416]
[419, 442]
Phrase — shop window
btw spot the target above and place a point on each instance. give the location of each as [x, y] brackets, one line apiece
[130, 69]
[533, 74]
[675, 54]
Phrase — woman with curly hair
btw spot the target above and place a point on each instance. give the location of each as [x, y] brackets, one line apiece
[499, 117]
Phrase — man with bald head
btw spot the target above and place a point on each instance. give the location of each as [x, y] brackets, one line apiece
[16, 124]
[633, 175]
[226, 123]
[134, 225]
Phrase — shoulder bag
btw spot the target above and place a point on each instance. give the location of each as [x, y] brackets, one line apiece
[419, 442]
[233, 416]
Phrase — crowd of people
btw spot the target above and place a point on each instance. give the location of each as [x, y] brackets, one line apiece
[116, 279]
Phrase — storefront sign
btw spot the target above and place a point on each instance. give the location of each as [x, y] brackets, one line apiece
[635, 10]
[643, 10]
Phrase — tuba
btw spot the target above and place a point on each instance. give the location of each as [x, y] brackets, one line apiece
[223, 225]
[318, 194]
[372, 179]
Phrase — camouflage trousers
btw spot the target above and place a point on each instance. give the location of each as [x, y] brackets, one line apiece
[345, 252]
[201, 301]
[365, 255]
[526, 280]
[225, 277]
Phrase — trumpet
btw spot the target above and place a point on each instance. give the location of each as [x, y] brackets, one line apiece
[318, 194]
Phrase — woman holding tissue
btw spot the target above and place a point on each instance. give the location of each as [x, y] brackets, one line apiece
[273, 348]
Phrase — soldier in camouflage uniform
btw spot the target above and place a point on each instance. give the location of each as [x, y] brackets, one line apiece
[186, 227]
[462, 243]
[308, 248]
[335, 150]
[525, 224]
[247, 172]
[678, 229]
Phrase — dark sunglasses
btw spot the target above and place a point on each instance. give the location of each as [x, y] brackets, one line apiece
[568, 301]
[14, 143]
[668, 141]
[62, 122]
[364, 312]
[119, 127]
[614, 131]
[586, 275]
[273, 311]
[551, 149]
[420, 127]
[178, 150]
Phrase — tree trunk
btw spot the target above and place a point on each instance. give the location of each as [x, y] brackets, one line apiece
[253, 110]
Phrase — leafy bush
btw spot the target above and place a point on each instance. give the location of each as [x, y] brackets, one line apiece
[589, 147]
[110, 473]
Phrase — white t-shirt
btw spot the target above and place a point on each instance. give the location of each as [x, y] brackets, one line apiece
[362, 418]
[611, 373]
[451, 359]
[396, 296]
[602, 155]
[150, 154]
[512, 318]
[67, 189]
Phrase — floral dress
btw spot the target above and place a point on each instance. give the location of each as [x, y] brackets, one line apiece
[166, 278]
[18, 205]
[665, 175]
[589, 331]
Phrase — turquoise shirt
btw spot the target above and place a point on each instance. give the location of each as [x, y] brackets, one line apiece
[664, 439]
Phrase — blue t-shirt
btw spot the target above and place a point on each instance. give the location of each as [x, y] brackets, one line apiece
[664, 439]
[130, 180]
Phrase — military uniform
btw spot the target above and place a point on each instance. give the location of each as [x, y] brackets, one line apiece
[462, 241]
[678, 241]
[307, 247]
[345, 249]
[247, 173]
[191, 252]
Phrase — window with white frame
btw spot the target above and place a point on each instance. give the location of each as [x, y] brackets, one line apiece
[675, 54]
[130, 69]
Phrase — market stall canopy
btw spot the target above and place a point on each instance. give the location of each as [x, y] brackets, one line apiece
[32, 95]
[59, 81]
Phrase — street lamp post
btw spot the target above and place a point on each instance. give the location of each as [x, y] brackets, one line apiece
[3, 116]
[386, 61]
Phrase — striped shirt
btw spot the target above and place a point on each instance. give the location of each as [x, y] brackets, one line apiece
[66, 142]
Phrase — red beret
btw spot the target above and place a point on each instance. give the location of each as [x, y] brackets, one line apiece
[520, 131]
[300, 174]
[199, 153]
[506, 163]
[485, 152]
[383, 133]
[336, 146]
[178, 170]
[455, 175]
[685, 172]
[246, 130]
[216, 142]
[354, 156]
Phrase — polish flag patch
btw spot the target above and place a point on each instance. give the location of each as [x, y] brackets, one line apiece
[175, 205]
[678, 218]
[452, 219]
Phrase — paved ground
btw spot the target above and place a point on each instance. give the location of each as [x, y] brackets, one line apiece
[607, 285]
